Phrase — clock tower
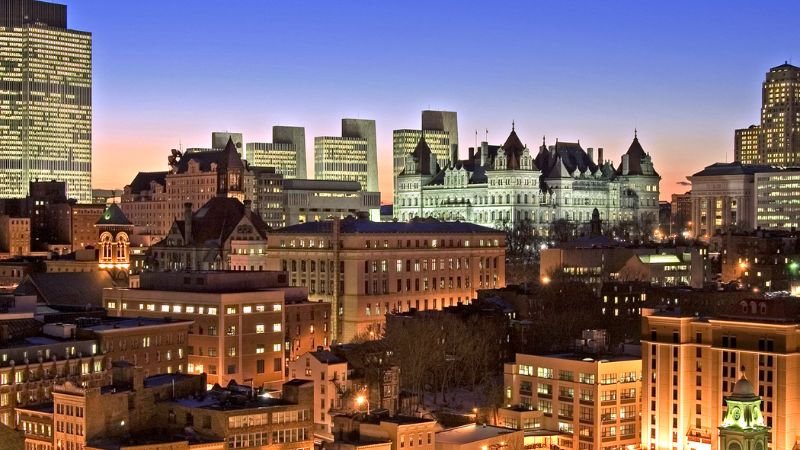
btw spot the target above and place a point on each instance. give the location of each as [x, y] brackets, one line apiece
[743, 426]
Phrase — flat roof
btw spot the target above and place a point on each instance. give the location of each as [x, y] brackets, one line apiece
[466, 434]
[588, 357]
[114, 324]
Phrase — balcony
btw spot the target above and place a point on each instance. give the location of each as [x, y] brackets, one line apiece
[609, 438]
[565, 398]
[587, 401]
[627, 400]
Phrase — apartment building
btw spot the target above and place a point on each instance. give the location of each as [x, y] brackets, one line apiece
[330, 376]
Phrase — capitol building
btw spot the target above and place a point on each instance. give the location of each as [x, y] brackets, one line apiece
[501, 185]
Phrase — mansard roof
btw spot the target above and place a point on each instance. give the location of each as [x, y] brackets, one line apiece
[224, 159]
[569, 155]
[635, 156]
[141, 182]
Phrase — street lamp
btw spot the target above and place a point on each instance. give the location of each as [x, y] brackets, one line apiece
[360, 400]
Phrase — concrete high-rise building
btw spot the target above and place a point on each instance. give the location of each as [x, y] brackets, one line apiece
[219, 140]
[45, 99]
[777, 139]
[286, 153]
[441, 134]
[351, 157]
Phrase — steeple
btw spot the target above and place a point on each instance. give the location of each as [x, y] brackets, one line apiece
[743, 426]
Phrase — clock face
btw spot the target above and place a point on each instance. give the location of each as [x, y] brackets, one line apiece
[736, 412]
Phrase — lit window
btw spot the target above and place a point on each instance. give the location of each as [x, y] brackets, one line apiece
[260, 328]
[276, 327]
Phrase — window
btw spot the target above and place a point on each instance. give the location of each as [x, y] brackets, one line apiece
[543, 372]
[259, 366]
[260, 328]
[276, 347]
[260, 348]
[276, 327]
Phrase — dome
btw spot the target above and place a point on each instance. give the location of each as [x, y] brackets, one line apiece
[743, 388]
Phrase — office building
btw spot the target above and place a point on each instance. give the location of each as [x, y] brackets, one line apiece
[777, 139]
[498, 186]
[592, 401]
[45, 100]
[761, 259]
[286, 153]
[744, 197]
[367, 269]
[238, 331]
[351, 157]
[777, 200]
[441, 134]
[315, 200]
[691, 363]
[681, 213]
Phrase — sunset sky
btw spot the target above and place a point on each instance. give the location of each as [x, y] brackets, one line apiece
[685, 73]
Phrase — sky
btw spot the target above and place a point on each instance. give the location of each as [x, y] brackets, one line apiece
[684, 73]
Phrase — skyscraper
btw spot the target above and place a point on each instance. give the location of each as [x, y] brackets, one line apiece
[777, 139]
[286, 153]
[441, 134]
[45, 99]
[351, 157]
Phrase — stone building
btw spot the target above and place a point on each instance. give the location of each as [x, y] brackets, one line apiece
[367, 269]
[501, 185]
[144, 202]
[224, 234]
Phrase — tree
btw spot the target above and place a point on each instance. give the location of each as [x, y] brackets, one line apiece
[562, 230]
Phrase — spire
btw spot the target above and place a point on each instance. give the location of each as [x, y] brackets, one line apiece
[512, 125]
[635, 133]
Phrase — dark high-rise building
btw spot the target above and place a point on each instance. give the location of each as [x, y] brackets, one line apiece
[777, 139]
[45, 100]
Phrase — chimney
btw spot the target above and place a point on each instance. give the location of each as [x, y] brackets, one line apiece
[187, 221]
[471, 153]
[600, 155]
[590, 152]
[484, 152]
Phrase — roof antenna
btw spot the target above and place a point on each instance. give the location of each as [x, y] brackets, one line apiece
[512, 124]
[487, 135]
[635, 133]
[476, 139]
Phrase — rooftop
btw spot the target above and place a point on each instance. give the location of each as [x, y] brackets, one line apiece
[467, 434]
[591, 358]
[352, 225]
[114, 324]
[737, 168]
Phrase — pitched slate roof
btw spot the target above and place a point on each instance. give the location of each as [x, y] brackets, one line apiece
[513, 148]
[141, 182]
[216, 220]
[570, 155]
[67, 288]
[225, 159]
[635, 155]
[113, 215]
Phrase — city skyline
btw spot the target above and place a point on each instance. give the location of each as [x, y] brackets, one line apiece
[612, 72]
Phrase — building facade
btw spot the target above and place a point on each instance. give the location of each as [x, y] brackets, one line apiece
[777, 139]
[777, 200]
[238, 331]
[441, 134]
[286, 153]
[315, 200]
[46, 100]
[692, 363]
[498, 186]
[224, 234]
[592, 403]
[329, 374]
[351, 157]
[367, 269]
[15, 236]
[145, 203]
[308, 327]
